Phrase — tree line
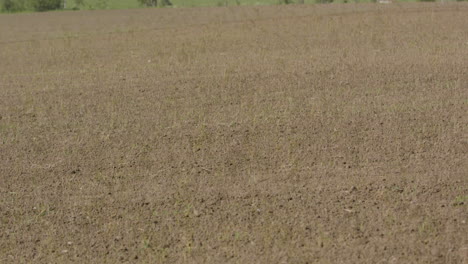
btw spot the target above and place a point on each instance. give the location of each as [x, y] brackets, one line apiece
[37, 5]
[46, 5]
[155, 2]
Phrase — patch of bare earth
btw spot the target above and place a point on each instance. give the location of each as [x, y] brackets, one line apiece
[282, 134]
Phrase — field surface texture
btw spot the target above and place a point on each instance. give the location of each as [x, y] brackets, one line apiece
[273, 134]
[125, 4]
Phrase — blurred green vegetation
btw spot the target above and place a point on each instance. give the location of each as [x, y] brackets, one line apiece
[44, 5]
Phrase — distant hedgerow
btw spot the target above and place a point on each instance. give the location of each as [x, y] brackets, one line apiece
[155, 2]
[46, 5]
[13, 5]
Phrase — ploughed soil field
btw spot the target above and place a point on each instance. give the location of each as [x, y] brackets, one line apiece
[279, 134]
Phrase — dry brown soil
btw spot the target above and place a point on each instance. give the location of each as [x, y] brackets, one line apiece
[281, 134]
